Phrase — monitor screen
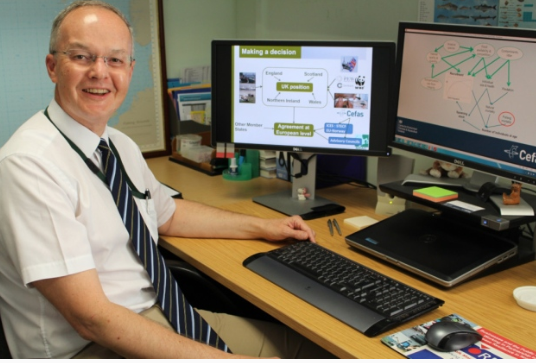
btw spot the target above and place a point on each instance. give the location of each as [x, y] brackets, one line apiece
[304, 97]
[466, 97]
[323, 97]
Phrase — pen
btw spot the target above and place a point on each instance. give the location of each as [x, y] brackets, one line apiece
[240, 161]
[330, 227]
[337, 226]
[147, 197]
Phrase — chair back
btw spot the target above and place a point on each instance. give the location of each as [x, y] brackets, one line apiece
[4, 349]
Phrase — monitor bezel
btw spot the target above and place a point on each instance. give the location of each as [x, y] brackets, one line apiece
[455, 28]
[382, 116]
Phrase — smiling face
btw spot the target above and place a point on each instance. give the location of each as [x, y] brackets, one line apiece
[91, 94]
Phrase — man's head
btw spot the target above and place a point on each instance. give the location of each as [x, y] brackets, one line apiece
[90, 60]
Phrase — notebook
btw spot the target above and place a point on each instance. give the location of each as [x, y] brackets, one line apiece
[443, 251]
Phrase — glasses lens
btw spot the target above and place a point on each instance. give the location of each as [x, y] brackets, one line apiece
[84, 58]
[117, 61]
[80, 57]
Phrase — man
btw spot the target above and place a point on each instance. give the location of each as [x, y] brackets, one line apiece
[68, 273]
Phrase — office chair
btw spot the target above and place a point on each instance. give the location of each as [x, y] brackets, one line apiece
[206, 293]
[4, 350]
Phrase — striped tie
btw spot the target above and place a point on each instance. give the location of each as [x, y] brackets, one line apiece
[185, 320]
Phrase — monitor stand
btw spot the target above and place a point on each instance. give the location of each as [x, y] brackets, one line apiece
[521, 209]
[288, 201]
[473, 184]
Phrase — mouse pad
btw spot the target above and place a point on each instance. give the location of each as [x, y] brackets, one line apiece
[411, 343]
[443, 251]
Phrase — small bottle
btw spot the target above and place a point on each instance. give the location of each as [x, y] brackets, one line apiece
[233, 168]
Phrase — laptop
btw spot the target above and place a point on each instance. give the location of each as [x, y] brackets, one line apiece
[444, 251]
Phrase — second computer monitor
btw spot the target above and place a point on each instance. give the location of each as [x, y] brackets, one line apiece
[304, 97]
[466, 96]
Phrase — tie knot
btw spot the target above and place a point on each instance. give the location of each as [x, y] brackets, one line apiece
[103, 145]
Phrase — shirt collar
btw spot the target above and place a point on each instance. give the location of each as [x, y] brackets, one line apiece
[81, 136]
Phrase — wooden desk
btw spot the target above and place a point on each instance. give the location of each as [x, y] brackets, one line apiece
[487, 301]
[211, 190]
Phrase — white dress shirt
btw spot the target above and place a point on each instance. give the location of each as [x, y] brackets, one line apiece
[58, 218]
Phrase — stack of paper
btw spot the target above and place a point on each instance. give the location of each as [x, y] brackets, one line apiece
[267, 164]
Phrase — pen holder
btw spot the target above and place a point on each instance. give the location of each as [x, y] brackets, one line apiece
[248, 167]
[244, 173]
[253, 157]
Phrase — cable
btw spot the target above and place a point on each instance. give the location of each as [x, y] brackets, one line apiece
[284, 163]
[304, 164]
[343, 179]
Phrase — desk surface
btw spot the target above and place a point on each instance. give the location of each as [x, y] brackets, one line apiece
[487, 301]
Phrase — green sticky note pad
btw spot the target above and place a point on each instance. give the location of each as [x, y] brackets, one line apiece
[436, 194]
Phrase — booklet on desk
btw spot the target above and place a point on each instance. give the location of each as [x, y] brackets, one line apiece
[412, 344]
[435, 194]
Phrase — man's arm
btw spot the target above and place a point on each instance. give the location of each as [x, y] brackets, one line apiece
[80, 299]
[193, 219]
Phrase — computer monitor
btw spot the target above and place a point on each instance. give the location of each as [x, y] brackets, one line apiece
[466, 96]
[306, 98]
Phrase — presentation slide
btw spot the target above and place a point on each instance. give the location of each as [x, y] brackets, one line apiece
[302, 96]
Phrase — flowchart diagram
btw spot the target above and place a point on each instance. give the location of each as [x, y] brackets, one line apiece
[478, 79]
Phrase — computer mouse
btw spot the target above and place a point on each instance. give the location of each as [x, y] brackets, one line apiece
[448, 336]
[488, 189]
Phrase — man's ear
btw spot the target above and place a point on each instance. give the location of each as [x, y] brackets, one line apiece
[51, 63]
[131, 71]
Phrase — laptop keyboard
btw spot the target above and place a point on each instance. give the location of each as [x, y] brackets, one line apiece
[359, 296]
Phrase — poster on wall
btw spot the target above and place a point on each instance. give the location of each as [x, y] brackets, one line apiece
[26, 89]
[503, 13]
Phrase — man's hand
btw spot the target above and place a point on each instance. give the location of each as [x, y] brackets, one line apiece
[291, 227]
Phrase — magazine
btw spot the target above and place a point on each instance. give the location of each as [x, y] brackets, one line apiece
[412, 344]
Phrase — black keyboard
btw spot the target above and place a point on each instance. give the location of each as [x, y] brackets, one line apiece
[357, 295]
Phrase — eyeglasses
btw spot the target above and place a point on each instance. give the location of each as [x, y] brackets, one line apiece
[85, 59]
